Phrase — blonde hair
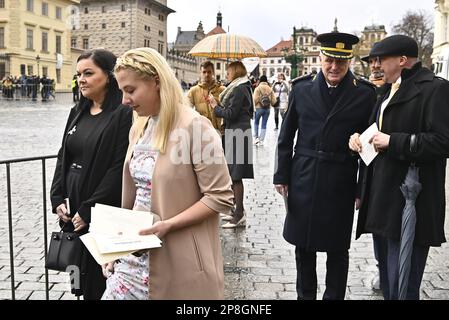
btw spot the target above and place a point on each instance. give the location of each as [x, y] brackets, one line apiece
[238, 68]
[147, 63]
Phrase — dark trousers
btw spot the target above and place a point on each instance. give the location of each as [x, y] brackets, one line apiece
[389, 268]
[276, 116]
[337, 265]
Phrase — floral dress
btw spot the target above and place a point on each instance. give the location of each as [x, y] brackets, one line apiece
[130, 278]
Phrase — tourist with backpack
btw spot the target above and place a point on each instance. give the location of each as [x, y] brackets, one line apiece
[264, 98]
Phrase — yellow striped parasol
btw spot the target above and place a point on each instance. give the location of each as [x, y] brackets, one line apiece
[229, 46]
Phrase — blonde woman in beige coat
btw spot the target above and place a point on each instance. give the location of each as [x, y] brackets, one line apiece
[187, 183]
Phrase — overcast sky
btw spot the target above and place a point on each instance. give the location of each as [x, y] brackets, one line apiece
[268, 21]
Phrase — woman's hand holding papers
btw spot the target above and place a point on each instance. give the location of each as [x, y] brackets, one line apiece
[108, 269]
[160, 229]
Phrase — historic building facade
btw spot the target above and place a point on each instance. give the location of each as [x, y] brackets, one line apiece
[185, 41]
[370, 35]
[275, 62]
[440, 56]
[35, 39]
[119, 25]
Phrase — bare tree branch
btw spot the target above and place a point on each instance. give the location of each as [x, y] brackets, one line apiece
[419, 26]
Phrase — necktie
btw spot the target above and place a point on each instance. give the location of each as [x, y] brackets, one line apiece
[331, 90]
[394, 88]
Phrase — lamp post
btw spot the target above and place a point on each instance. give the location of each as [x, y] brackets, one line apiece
[294, 57]
[38, 59]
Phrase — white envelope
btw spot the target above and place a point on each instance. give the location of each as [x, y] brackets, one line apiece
[111, 244]
[101, 258]
[368, 153]
[112, 221]
[114, 233]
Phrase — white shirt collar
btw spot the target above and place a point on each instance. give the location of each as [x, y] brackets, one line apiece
[331, 86]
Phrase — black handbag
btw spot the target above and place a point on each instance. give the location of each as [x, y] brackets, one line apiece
[278, 98]
[64, 251]
[278, 102]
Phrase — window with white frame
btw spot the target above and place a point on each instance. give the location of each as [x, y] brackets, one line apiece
[58, 44]
[45, 41]
[59, 13]
[30, 38]
[44, 8]
[2, 37]
[30, 5]
[85, 43]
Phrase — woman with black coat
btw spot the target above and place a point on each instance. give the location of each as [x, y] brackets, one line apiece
[90, 161]
[236, 107]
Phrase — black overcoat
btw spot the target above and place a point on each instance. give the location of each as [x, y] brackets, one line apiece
[420, 107]
[237, 111]
[101, 176]
[320, 171]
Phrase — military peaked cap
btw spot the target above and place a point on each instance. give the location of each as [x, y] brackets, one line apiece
[337, 44]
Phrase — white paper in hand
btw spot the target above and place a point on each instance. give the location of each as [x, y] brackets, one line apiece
[368, 153]
[114, 233]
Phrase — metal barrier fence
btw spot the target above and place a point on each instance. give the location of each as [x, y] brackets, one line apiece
[8, 163]
[34, 92]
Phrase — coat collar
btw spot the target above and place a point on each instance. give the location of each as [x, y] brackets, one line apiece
[345, 86]
[318, 95]
[408, 89]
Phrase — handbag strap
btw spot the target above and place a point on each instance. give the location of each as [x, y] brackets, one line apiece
[280, 89]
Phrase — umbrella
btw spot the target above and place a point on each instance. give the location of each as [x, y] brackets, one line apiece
[410, 189]
[231, 46]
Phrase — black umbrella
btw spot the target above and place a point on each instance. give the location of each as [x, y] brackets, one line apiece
[410, 189]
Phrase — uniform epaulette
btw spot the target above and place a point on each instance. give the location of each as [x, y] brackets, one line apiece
[440, 78]
[301, 78]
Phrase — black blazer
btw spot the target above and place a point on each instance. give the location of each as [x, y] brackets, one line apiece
[101, 176]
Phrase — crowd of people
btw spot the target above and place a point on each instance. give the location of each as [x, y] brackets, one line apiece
[135, 140]
[28, 87]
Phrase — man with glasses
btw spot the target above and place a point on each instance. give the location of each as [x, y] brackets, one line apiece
[413, 119]
[318, 175]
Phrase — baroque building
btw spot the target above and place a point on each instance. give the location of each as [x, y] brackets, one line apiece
[35, 39]
[120, 25]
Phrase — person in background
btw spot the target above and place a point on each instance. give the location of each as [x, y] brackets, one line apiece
[264, 99]
[90, 160]
[75, 89]
[281, 90]
[198, 95]
[236, 107]
[174, 169]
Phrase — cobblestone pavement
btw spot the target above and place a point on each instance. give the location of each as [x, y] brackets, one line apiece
[259, 263]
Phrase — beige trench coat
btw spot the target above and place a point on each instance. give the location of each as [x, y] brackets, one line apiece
[190, 264]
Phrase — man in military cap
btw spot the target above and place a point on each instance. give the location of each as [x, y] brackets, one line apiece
[319, 175]
[413, 119]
